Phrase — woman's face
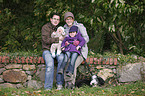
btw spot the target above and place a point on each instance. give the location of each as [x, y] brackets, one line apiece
[69, 21]
[72, 34]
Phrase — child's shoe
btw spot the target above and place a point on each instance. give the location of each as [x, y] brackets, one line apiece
[69, 74]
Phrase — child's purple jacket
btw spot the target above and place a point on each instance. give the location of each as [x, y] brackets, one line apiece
[71, 47]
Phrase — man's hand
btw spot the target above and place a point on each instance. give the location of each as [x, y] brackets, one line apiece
[53, 35]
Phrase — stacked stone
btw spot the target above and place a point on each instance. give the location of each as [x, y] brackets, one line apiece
[30, 71]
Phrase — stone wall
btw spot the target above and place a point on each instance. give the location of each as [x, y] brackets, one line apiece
[29, 72]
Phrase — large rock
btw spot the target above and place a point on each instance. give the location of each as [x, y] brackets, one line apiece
[131, 72]
[105, 73]
[14, 76]
[40, 74]
[12, 66]
[34, 84]
[29, 67]
[2, 65]
[2, 70]
[8, 85]
[1, 80]
[19, 86]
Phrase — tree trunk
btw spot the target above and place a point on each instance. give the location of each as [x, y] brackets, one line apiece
[120, 42]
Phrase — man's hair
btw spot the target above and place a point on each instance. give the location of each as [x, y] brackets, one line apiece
[54, 13]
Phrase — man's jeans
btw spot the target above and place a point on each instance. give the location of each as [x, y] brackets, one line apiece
[49, 71]
[59, 77]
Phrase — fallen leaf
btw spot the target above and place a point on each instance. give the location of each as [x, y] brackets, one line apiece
[132, 92]
[22, 92]
[37, 91]
[27, 92]
[83, 92]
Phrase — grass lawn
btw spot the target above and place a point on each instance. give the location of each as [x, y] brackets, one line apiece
[128, 89]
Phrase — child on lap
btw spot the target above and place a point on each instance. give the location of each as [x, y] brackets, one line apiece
[71, 46]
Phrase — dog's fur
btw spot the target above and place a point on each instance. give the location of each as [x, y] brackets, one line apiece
[93, 82]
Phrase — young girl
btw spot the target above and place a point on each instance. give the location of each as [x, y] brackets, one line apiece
[71, 46]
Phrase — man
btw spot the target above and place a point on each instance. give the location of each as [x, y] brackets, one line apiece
[69, 19]
[47, 30]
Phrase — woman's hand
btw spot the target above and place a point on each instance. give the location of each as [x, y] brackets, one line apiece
[62, 48]
[78, 47]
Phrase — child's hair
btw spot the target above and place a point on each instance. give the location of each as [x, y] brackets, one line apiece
[73, 29]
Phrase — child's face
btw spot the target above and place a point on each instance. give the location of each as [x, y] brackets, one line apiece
[72, 34]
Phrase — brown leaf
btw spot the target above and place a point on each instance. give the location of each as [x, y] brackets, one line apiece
[132, 92]
[142, 90]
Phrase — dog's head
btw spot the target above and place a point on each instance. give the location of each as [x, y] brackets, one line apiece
[94, 77]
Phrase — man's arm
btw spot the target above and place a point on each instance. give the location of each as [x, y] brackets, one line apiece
[46, 35]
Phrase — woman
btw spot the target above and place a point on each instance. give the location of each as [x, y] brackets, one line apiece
[70, 21]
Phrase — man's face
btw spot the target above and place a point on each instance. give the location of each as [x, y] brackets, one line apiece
[69, 21]
[55, 20]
